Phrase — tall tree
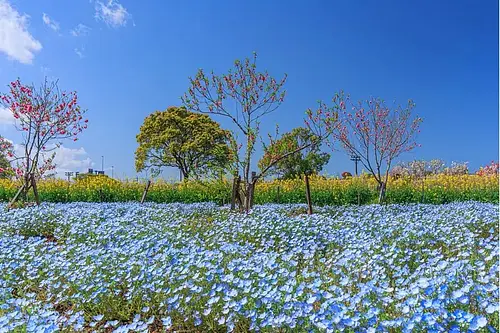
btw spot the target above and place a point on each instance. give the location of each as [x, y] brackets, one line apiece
[179, 138]
[244, 95]
[46, 117]
[376, 133]
[307, 161]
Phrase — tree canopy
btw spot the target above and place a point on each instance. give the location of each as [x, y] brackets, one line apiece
[179, 138]
[307, 161]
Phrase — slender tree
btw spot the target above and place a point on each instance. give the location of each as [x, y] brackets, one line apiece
[244, 95]
[46, 117]
[376, 133]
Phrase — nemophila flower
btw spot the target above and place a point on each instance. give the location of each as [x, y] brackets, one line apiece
[98, 318]
[265, 269]
[478, 322]
[491, 308]
[492, 329]
[113, 322]
[167, 322]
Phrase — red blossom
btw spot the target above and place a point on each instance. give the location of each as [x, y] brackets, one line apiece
[46, 115]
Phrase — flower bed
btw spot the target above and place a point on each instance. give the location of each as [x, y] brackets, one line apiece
[129, 267]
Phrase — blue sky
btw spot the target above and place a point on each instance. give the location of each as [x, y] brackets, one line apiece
[135, 57]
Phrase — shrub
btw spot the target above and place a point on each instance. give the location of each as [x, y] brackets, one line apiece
[489, 170]
[418, 168]
[457, 169]
[346, 174]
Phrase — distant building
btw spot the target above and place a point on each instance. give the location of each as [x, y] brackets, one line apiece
[95, 172]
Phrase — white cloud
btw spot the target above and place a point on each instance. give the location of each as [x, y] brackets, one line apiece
[80, 30]
[6, 117]
[112, 13]
[50, 22]
[15, 39]
[66, 159]
[69, 159]
[79, 52]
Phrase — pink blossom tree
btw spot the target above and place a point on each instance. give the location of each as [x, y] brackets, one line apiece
[244, 95]
[45, 117]
[375, 132]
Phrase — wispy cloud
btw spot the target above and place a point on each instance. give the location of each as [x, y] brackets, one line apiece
[112, 13]
[15, 39]
[50, 22]
[45, 70]
[79, 52]
[80, 30]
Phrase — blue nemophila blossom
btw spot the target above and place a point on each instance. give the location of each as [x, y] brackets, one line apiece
[129, 267]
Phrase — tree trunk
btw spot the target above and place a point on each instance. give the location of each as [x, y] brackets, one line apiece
[234, 191]
[308, 196]
[381, 197]
[184, 176]
[238, 194]
[248, 189]
[35, 189]
[246, 171]
[252, 188]
[27, 181]
[249, 192]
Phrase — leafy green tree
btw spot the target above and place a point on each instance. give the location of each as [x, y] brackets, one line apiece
[179, 138]
[306, 161]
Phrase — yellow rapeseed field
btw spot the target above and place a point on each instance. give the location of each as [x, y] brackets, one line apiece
[324, 190]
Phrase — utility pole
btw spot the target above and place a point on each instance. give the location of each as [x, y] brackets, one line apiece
[356, 159]
[69, 174]
[102, 163]
[112, 171]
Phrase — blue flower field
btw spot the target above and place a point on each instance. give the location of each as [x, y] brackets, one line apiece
[127, 267]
